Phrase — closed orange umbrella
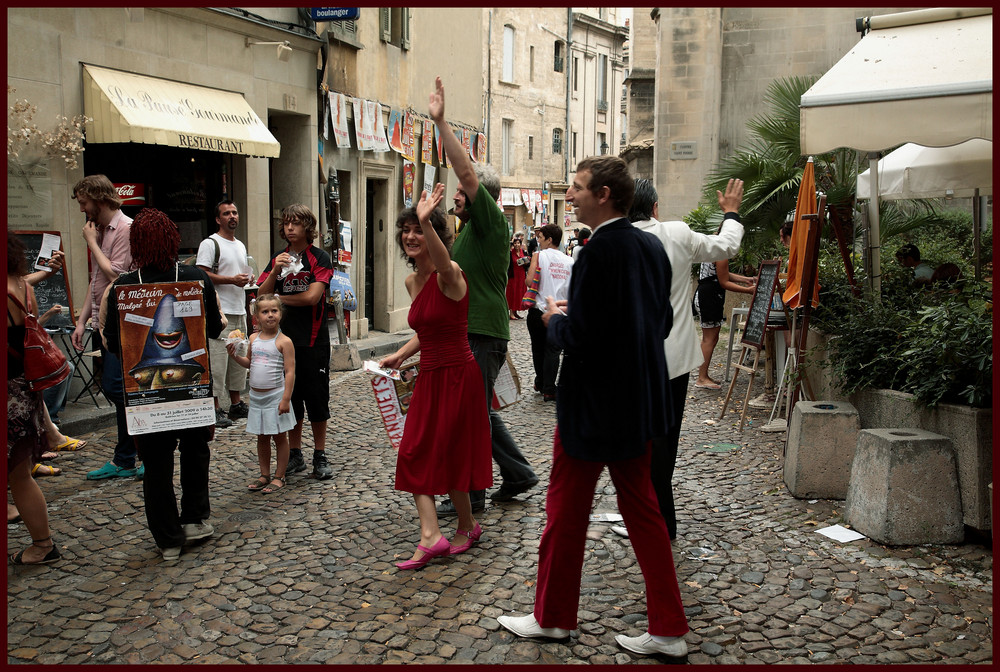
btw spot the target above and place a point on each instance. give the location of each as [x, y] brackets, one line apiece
[806, 205]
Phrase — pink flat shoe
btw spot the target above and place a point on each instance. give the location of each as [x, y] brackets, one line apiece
[472, 537]
[438, 549]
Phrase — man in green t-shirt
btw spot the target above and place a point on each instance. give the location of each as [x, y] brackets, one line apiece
[482, 249]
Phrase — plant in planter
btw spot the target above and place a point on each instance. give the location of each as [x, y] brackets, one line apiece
[935, 343]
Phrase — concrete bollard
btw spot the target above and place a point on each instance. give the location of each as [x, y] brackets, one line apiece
[822, 436]
[344, 357]
[904, 488]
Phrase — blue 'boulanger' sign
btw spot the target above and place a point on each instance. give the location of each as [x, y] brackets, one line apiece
[334, 13]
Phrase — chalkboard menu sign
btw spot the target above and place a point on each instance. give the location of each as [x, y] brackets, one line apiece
[760, 306]
[51, 289]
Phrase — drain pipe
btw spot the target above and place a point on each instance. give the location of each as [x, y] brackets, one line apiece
[569, 86]
[489, 81]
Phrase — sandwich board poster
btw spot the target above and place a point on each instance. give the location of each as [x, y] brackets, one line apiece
[165, 365]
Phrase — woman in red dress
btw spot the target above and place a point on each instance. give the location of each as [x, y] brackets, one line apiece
[446, 445]
[516, 285]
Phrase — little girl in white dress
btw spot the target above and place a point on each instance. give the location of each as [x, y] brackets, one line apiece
[271, 360]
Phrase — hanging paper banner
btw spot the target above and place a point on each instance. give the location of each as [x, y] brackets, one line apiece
[408, 144]
[526, 199]
[537, 200]
[466, 139]
[429, 173]
[326, 118]
[427, 142]
[510, 196]
[381, 144]
[442, 155]
[481, 147]
[338, 111]
[396, 130]
[409, 173]
[344, 253]
[474, 147]
[364, 125]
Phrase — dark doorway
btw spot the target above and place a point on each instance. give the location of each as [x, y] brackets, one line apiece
[370, 190]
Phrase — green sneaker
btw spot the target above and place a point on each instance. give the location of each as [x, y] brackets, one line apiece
[110, 470]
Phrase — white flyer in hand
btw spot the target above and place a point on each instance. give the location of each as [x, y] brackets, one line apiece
[50, 245]
[371, 366]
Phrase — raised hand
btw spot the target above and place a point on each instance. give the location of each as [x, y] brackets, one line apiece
[426, 204]
[730, 201]
[436, 105]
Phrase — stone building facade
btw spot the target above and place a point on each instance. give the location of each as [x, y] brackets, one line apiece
[713, 68]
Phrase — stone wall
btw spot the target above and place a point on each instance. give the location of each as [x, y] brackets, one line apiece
[970, 430]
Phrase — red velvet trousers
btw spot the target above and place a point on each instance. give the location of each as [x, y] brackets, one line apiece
[561, 551]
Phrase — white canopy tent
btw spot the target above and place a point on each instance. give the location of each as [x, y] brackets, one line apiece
[924, 77]
[913, 171]
[959, 171]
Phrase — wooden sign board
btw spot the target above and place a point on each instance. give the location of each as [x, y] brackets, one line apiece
[760, 305]
[52, 289]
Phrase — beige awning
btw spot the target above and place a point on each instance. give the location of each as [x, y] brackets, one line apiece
[930, 83]
[134, 108]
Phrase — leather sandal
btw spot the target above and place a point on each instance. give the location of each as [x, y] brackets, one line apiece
[271, 487]
[262, 482]
[50, 557]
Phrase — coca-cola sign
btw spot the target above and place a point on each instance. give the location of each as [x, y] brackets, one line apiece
[131, 194]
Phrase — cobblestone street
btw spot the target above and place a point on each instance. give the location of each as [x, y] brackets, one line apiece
[306, 575]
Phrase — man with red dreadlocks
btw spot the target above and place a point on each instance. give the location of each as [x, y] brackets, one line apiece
[154, 243]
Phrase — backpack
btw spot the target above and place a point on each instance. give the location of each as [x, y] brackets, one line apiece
[45, 364]
[190, 261]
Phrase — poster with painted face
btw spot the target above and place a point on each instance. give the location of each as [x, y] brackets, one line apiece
[165, 364]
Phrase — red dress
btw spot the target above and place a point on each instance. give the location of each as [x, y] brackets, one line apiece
[516, 285]
[446, 439]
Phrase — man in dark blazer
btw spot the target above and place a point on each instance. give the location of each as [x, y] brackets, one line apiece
[611, 401]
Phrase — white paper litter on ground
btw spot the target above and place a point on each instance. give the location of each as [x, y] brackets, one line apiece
[605, 517]
[840, 533]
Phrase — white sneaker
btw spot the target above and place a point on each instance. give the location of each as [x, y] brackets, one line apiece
[644, 644]
[527, 626]
[171, 554]
[620, 530]
[195, 531]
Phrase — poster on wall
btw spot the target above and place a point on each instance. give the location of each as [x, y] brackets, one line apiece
[338, 111]
[464, 137]
[427, 143]
[526, 199]
[364, 125]
[381, 144]
[409, 151]
[481, 147]
[442, 155]
[29, 194]
[429, 174]
[409, 174]
[396, 130]
[165, 365]
[344, 253]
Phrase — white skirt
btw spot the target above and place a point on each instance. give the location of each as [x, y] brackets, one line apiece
[263, 416]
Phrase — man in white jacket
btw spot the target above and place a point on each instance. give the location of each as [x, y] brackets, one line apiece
[684, 247]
